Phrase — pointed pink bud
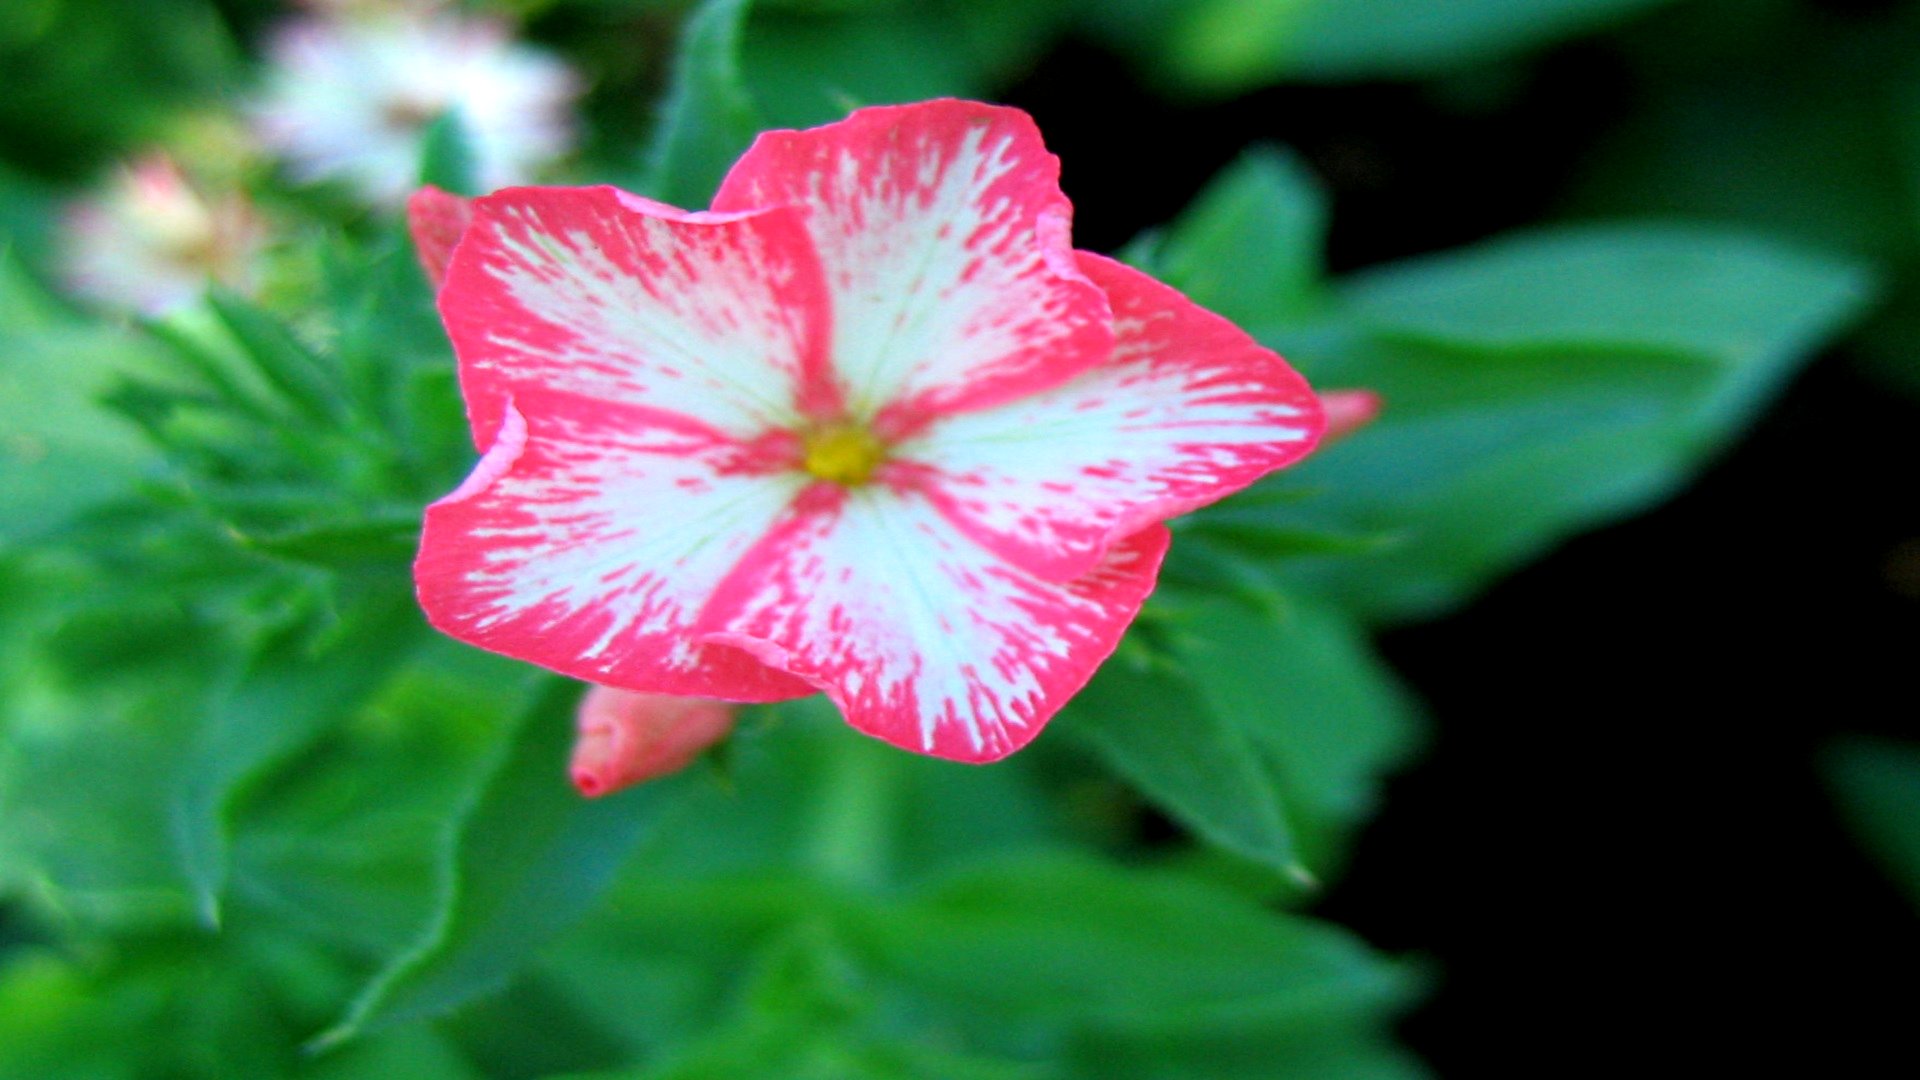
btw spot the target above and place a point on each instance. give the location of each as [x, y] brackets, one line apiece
[437, 219]
[627, 737]
[1348, 411]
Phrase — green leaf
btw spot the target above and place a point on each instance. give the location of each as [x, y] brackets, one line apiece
[446, 156]
[528, 858]
[291, 690]
[381, 539]
[300, 376]
[1536, 386]
[1267, 730]
[1151, 724]
[1249, 246]
[1748, 305]
[1024, 966]
[344, 842]
[1032, 941]
[805, 790]
[708, 119]
[60, 449]
[804, 70]
[1876, 788]
[1325, 716]
[1227, 45]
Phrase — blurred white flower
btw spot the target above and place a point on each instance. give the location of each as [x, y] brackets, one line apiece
[150, 242]
[354, 88]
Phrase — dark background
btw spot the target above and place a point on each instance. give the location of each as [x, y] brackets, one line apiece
[1619, 845]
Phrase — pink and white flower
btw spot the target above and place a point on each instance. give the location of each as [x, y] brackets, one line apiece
[868, 426]
[151, 241]
[351, 93]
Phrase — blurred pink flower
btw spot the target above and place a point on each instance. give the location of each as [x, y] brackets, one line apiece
[150, 241]
[869, 426]
[627, 737]
[352, 91]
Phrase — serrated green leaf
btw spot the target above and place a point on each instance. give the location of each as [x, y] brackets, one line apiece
[300, 376]
[1249, 246]
[1153, 726]
[708, 118]
[379, 540]
[528, 858]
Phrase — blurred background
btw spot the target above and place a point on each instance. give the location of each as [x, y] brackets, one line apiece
[1579, 688]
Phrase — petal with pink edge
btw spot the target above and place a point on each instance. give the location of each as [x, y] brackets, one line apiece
[436, 220]
[587, 540]
[1189, 409]
[921, 637]
[719, 319]
[945, 243]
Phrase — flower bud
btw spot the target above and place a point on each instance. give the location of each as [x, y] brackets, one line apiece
[435, 220]
[1348, 411]
[627, 737]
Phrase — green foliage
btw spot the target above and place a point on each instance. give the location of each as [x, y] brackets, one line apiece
[1287, 723]
[1876, 788]
[1230, 44]
[1150, 721]
[62, 451]
[527, 859]
[1021, 967]
[446, 156]
[1251, 242]
[1536, 384]
[708, 118]
[1823, 150]
[93, 79]
[1219, 47]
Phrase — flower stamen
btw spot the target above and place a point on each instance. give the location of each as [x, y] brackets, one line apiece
[845, 454]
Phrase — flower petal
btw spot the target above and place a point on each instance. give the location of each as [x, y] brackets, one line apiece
[436, 219]
[945, 242]
[717, 318]
[588, 538]
[921, 637]
[1188, 410]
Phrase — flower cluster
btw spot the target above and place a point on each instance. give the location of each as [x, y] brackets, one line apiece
[870, 426]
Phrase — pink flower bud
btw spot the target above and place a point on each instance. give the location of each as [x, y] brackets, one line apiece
[627, 737]
[1348, 411]
[436, 219]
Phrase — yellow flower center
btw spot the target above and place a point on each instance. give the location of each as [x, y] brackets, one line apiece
[846, 454]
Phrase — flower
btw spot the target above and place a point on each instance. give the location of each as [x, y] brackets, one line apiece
[626, 738]
[868, 426]
[352, 93]
[150, 241]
